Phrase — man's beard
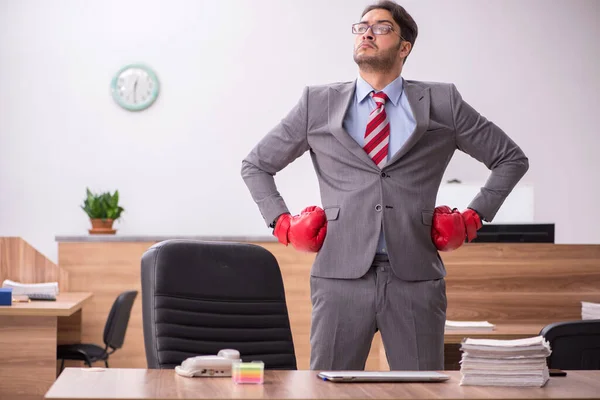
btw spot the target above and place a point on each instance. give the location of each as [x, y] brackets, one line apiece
[382, 62]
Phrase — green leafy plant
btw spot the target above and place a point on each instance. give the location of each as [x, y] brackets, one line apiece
[102, 205]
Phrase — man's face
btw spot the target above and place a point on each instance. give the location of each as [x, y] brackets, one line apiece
[378, 52]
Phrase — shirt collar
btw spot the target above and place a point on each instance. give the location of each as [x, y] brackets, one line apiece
[393, 90]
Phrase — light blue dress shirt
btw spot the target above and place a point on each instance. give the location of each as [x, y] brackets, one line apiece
[397, 108]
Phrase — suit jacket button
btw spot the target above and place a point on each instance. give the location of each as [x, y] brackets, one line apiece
[383, 175]
[378, 207]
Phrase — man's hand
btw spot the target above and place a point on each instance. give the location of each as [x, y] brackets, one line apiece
[306, 231]
[450, 227]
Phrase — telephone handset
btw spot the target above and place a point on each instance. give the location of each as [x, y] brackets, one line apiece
[219, 365]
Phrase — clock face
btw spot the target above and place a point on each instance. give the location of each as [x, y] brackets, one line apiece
[135, 87]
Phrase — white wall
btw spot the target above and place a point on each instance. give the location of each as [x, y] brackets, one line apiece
[230, 70]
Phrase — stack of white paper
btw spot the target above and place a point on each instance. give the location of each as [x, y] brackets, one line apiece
[455, 325]
[31, 288]
[590, 310]
[490, 362]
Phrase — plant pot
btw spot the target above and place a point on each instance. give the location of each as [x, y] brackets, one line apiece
[102, 226]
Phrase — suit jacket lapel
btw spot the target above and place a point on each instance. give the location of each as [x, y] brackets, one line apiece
[419, 99]
[339, 99]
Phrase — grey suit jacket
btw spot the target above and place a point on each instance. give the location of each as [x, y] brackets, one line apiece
[359, 198]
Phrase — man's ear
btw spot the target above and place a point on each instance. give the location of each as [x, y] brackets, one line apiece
[405, 49]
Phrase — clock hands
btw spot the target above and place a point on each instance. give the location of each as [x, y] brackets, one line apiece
[134, 91]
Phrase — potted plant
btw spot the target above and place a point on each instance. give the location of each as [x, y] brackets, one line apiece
[103, 210]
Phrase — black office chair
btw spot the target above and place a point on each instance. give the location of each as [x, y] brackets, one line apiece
[114, 335]
[575, 345]
[200, 297]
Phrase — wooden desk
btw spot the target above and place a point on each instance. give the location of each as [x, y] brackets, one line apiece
[453, 338]
[113, 383]
[505, 331]
[29, 334]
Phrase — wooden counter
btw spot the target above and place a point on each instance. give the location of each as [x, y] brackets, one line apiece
[513, 284]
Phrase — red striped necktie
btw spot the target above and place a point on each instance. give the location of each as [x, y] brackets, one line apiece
[377, 135]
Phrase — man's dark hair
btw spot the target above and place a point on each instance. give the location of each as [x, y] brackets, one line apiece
[408, 26]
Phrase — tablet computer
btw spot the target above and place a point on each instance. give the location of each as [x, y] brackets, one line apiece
[383, 376]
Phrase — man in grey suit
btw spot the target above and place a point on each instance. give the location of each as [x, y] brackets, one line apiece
[380, 146]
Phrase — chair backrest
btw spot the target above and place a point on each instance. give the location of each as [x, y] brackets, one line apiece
[118, 319]
[200, 297]
[575, 345]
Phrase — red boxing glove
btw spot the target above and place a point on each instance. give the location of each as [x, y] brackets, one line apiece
[472, 223]
[306, 232]
[450, 227]
[282, 227]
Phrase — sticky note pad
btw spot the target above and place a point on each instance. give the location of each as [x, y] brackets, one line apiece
[248, 372]
[5, 296]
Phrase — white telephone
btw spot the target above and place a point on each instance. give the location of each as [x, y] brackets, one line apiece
[219, 365]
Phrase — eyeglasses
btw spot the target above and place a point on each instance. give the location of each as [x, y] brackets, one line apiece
[377, 29]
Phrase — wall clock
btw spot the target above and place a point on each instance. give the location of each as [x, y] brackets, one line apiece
[135, 87]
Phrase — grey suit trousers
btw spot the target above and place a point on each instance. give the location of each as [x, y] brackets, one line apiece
[347, 312]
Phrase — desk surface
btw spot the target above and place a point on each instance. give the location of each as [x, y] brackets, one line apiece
[500, 331]
[113, 383]
[65, 305]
